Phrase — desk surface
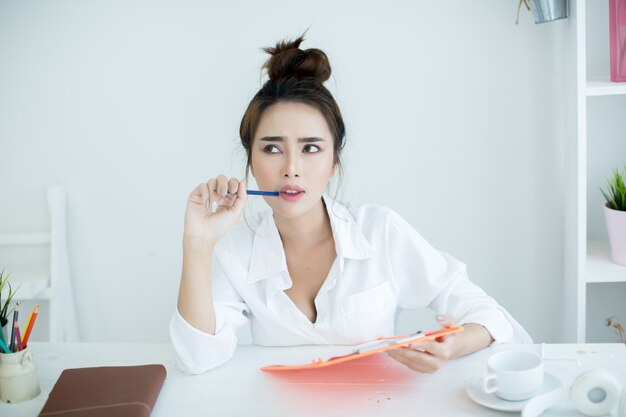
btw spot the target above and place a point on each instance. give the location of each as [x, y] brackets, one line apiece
[373, 386]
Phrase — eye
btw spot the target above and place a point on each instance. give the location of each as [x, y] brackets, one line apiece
[311, 149]
[271, 149]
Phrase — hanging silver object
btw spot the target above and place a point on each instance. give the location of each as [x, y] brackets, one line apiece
[548, 10]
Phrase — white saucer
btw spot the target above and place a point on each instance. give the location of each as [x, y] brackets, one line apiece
[550, 382]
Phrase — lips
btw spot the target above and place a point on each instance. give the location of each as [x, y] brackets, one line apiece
[291, 192]
[291, 189]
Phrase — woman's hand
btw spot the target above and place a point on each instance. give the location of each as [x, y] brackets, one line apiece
[429, 356]
[213, 208]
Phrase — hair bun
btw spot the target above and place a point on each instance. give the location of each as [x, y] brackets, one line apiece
[288, 60]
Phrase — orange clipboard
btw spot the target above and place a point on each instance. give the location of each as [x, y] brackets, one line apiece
[382, 344]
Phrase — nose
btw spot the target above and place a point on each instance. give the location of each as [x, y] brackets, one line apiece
[291, 168]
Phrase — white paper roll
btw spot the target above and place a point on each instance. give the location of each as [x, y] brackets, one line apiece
[594, 393]
[537, 405]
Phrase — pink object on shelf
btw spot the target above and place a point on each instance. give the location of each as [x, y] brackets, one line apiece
[616, 227]
[617, 35]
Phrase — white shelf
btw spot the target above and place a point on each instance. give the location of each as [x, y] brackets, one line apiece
[604, 88]
[28, 281]
[587, 262]
[600, 267]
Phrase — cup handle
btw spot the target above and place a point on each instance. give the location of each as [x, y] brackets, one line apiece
[485, 381]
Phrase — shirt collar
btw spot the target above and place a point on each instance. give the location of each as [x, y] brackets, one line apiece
[268, 255]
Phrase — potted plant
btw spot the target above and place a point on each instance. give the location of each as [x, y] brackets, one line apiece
[544, 10]
[615, 216]
[4, 305]
[616, 324]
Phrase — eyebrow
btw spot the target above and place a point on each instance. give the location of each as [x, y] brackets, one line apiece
[309, 139]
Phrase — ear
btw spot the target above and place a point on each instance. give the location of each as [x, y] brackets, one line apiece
[332, 172]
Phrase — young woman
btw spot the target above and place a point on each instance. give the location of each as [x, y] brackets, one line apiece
[312, 270]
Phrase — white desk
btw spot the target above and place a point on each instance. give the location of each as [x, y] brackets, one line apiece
[374, 386]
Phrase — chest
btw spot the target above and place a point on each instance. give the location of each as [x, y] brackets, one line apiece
[308, 272]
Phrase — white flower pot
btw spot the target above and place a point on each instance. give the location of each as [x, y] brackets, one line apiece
[18, 377]
[616, 226]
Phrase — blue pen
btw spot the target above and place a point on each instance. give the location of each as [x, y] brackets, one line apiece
[254, 192]
[270, 193]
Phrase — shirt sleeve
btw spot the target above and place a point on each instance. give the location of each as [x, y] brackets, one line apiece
[427, 277]
[198, 351]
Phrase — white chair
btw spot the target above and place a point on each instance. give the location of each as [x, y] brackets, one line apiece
[44, 279]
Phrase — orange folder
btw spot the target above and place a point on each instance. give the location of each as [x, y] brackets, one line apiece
[382, 344]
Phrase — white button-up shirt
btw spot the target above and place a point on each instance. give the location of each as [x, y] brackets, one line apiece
[383, 265]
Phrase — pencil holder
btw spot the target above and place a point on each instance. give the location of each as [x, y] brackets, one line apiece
[18, 377]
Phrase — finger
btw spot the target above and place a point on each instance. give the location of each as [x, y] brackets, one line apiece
[230, 197]
[420, 363]
[242, 197]
[444, 320]
[408, 363]
[213, 195]
[222, 185]
[203, 189]
[437, 349]
[426, 359]
[196, 195]
[233, 184]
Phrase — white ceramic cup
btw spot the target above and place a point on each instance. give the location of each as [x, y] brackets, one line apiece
[513, 375]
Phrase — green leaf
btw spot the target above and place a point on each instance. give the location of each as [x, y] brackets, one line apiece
[4, 307]
[615, 194]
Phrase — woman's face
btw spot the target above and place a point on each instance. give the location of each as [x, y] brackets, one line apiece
[292, 153]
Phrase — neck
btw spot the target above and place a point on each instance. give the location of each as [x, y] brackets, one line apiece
[307, 230]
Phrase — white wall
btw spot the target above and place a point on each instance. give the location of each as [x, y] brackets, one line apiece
[452, 115]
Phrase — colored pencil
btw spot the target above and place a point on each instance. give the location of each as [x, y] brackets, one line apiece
[18, 339]
[4, 346]
[30, 317]
[29, 326]
[15, 314]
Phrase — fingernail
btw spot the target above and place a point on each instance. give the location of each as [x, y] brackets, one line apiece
[214, 207]
[206, 203]
[440, 317]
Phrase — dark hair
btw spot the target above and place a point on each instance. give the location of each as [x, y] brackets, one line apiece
[294, 76]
